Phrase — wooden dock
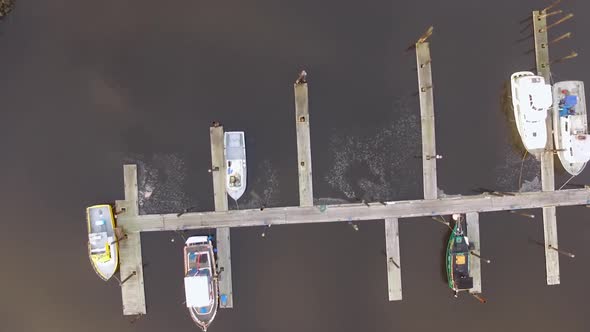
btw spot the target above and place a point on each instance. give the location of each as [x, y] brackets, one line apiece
[394, 272]
[223, 238]
[429, 156]
[223, 219]
[130, 260]
[474, 261]
[547, 162]
[355, 212]
[303, 141]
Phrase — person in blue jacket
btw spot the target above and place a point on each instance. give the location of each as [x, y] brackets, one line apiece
[566, 105]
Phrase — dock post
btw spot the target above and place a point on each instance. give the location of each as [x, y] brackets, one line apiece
[547, 162]
[303, 141]
[223, 239]
[394, 272]
[424, 67]
[130, 260]
[474, 264]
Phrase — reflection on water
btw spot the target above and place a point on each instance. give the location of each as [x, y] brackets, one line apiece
[375, 166]
[262, 191]
[161, 183]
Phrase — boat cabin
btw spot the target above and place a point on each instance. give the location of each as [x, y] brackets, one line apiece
[198, 283]
[100, 233]
[460, 254]
[534, 97]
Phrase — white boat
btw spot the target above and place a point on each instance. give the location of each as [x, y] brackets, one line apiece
[570, 125]
[531, 100]
[234, 145]
[103, 247]
[200, 281]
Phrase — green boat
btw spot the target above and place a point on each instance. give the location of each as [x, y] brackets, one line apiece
[458, 252]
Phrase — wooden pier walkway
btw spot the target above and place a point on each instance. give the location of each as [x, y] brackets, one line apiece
[394, 268]
[354, 212]
[429, 156]
[130, 260]
[547, 158]
[303, 141]
[222, 238]
[474, 262]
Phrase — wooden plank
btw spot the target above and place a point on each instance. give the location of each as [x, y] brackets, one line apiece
[356, 212]
[132, 290]
[394, 272]
[423, 62]
[474, 262]
[130, 260]
[550, 237]
[131, 191]
[224, 263]
[541, 45]
[218, 168]
[303, 144]
[547, 160]
[223, 238]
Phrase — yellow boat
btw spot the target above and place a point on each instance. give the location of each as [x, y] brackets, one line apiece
[103, 247]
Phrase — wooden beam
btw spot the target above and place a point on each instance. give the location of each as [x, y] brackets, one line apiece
[303, 143]
[394, 272]
[429, 156]
[474, 262]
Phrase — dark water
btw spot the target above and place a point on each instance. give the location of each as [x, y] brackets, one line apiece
[89, 85]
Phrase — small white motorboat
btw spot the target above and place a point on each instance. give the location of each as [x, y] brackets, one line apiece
[531, 100]
[234, 145]
[200, 280]
[103, 247]
[570, 125]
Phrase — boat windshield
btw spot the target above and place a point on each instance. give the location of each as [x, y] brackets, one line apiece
[199, 264]
[98, 242]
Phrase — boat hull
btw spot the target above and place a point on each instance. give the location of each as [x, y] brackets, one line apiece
[103, 247]
[200, 274]
[235, 156]
[530, 121]
[457, 261]
[565, 127]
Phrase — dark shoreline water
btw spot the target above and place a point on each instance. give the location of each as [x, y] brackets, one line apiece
[88, 86]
